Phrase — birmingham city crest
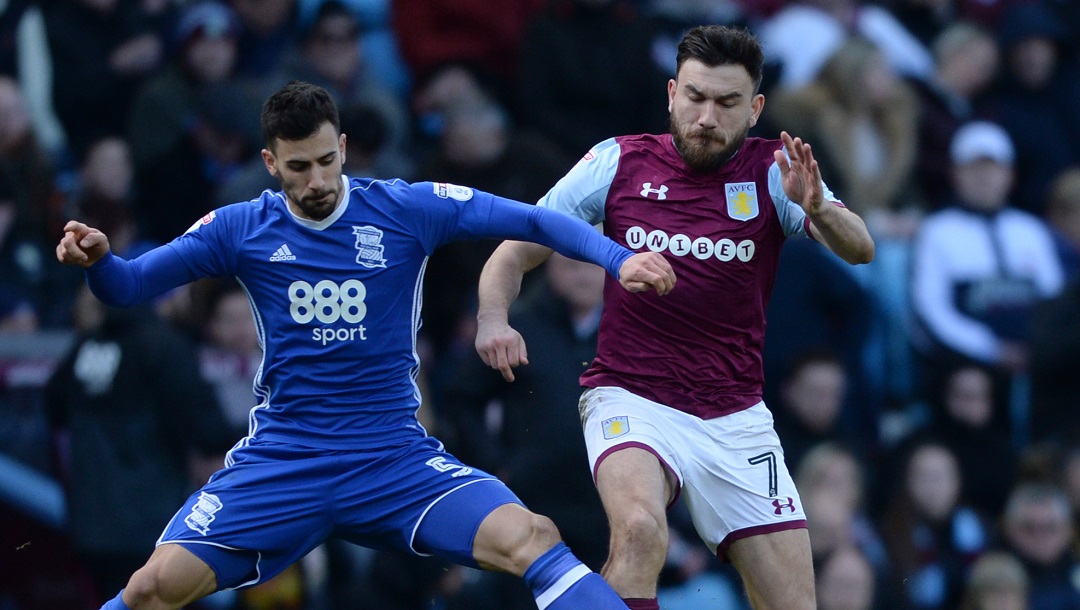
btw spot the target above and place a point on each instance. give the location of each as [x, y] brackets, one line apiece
[369, 246]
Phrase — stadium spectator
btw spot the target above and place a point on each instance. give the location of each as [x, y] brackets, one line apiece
[101, 52]
[104, 194]
[980, 266]
[862, 118]
[966, 60]
[1063, 216]
[1035, 100]
[675, 376]
[229, 351]
[932, 536]
[802, 36]
[1037, 527]
[337, 427]
[29, 203]
[219, 143]
[534, 449]
[329, 56]
[997, 581]
[269, 33]
[479, 145]
[817, 305]
[809, 403]
[838, 482]
[586, 74]
[129, 408]
[434, 35]
[204, 45]
[846, 581]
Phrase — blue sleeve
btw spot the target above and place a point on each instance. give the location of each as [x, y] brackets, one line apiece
[493, 216]
[123, 283]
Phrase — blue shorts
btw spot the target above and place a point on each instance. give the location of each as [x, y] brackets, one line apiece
[277, 502]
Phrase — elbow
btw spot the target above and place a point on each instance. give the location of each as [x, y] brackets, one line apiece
[863, 254]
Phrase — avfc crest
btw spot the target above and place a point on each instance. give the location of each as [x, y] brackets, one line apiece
[615, 426]
[369, 246]
[742, 200]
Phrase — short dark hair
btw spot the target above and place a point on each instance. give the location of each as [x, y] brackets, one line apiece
[718, 45]
[297, 111]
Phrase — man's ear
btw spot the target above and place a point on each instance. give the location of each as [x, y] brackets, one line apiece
[271, 162]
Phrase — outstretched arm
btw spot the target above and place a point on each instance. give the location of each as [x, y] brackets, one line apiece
[113, 280]
[500, 346]
[840, 229]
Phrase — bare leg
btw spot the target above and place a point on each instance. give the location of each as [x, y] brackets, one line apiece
[776, 570]
[171, 578]
[635, 489]
[512, 537]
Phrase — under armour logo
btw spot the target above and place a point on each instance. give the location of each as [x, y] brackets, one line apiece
[780, 506]
[661, 193]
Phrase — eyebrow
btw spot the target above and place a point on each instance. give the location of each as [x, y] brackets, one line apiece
[326, 156]
[720, 98]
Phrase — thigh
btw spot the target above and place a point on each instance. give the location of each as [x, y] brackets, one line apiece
[462, 526]
[257, 516]
[736, 483]
[630, 454]
[631, 479]
[776, 569]
[385, 505]
[175, 574]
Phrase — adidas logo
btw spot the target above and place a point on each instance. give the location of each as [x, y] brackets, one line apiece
[282, 254]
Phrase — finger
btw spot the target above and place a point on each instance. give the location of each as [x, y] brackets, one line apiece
[503, 364]
[69, 251]
[781, 162]
[92, 239]
[74, 226]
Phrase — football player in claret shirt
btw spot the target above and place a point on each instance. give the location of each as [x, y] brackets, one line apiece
[673, 400]
[333, 266]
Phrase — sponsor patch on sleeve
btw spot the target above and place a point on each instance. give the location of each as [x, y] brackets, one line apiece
[205, 220]
[453, 191]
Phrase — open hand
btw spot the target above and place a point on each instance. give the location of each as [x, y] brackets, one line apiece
[799, 173]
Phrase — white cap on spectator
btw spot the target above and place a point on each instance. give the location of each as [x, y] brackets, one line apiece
[982, 140]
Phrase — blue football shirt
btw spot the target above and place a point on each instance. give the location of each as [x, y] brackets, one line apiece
[337, 302]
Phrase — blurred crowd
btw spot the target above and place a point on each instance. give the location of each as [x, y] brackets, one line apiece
[928, 403]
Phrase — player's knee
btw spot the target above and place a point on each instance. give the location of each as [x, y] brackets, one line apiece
[149, 588]
[639, 532]
[144, 589]
[534, 535]
[528, 537]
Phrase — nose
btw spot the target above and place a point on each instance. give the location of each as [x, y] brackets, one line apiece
[316, 182]
[707, 116]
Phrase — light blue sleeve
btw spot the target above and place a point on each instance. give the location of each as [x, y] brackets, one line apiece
[792, 215]
[583, 191]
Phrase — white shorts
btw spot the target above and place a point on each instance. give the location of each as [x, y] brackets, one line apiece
[731, 468]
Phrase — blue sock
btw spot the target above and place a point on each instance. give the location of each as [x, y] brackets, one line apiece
[116, 603]
[560, 582]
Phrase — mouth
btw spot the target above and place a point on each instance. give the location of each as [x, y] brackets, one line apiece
[320, 199]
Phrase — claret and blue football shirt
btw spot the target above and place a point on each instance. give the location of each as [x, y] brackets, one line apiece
[698, 348]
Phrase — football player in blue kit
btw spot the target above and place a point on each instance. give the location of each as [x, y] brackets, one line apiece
[333, 268]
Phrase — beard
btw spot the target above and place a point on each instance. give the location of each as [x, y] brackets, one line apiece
[695, 147]
[314, 206]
